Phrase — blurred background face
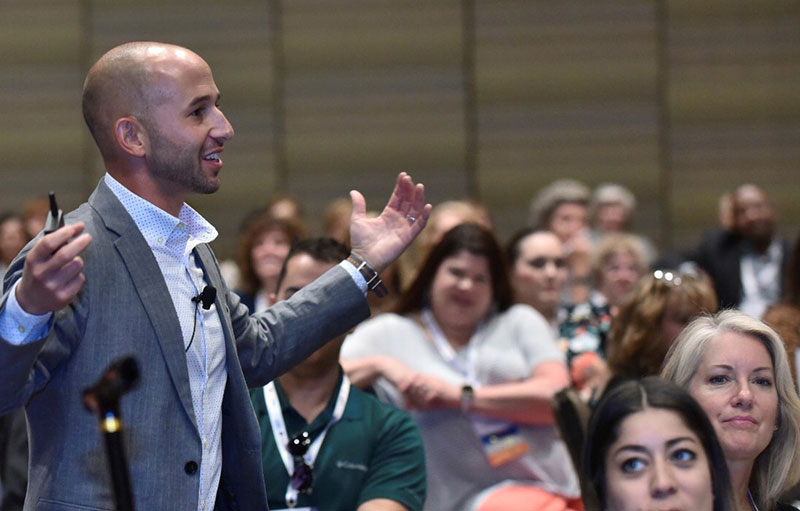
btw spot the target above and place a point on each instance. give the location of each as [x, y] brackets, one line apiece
[619, 275]
[753, 215]
[677, 314]
[269, 250]
[301, 270]
[540, 272]
[12, 239]
[735, 385]
[657, 463]
[461, 291]
[568, 220]
[612, 217]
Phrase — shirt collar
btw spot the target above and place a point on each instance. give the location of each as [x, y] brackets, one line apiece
[158, 227]
[352, 410]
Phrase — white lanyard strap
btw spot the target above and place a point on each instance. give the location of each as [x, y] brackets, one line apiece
[467, 369]
[282, 438]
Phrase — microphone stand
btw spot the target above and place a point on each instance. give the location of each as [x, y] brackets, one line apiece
[103, 399]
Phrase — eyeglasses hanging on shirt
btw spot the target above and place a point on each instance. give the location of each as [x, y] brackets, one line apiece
[303, 475]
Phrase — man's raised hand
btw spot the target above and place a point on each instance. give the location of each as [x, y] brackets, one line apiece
[380, 240]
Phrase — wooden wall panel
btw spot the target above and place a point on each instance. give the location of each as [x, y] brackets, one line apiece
[565, 89]
[372, 88]
[735, 107]
[367, 88]
[41, 137]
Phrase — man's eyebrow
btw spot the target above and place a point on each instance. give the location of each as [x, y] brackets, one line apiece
[204, 99]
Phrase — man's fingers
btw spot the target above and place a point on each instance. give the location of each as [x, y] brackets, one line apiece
[71, 250]
[50, 243]
[70, 270]
[53, 262]
[71, 288]
[400, 192]
[359, 204]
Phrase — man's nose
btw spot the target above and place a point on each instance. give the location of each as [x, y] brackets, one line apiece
[223, 130]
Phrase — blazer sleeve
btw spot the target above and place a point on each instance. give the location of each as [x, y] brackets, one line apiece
[271, 342]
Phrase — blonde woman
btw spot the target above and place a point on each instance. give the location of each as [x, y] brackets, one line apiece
[736, 367]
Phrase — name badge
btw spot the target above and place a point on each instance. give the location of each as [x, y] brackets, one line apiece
[504, 446]
[297, 509]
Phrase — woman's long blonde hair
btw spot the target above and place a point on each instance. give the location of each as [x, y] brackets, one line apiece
[777, 468]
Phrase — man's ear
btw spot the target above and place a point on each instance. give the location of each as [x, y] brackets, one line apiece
[130, 136]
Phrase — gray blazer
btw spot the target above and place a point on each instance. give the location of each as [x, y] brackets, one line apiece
[126, 309]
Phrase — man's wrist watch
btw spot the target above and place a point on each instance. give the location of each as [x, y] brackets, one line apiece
[467, 396]
[374, 282]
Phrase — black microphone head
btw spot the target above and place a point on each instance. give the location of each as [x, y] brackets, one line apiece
[208, 296]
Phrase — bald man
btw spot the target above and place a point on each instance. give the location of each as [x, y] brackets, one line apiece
[123, 278]
[747, 264]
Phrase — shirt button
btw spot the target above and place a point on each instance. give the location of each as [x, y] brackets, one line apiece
[21, 329]
[190, 467]
[160, 240]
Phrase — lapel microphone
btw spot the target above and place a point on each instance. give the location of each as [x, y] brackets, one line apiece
[206, 297]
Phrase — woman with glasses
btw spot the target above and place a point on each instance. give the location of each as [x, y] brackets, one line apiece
[478, 374]
[736, 367]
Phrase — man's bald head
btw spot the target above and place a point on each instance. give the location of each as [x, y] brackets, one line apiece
[123, 83]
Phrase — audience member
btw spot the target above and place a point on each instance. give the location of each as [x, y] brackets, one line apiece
[12, 239]
[336, 220]
[359, 453]
[538, 271]
[563, 208]
[478, 374]
[618, 262]
[746, 264]
[129, 285]
[263, 247]
[736, 367]
[444, 217]
[725, 211]
[647, 324]
[651, 446]
[611, 209]
[288, 208]
[611, 212]
[13, 460]
[34, 215]
[785, 316]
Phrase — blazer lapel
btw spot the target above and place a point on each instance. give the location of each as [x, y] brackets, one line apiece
[148, 282]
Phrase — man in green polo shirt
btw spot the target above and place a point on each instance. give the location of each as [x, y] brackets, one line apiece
[326, 445]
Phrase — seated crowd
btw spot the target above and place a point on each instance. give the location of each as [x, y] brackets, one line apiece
[442, 400]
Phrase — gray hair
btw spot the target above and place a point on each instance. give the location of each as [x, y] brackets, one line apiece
[553, 195]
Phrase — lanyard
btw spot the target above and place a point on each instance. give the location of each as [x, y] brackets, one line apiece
[466, 369]
[282, 438]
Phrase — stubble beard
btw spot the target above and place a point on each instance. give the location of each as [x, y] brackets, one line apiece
[179, 165]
